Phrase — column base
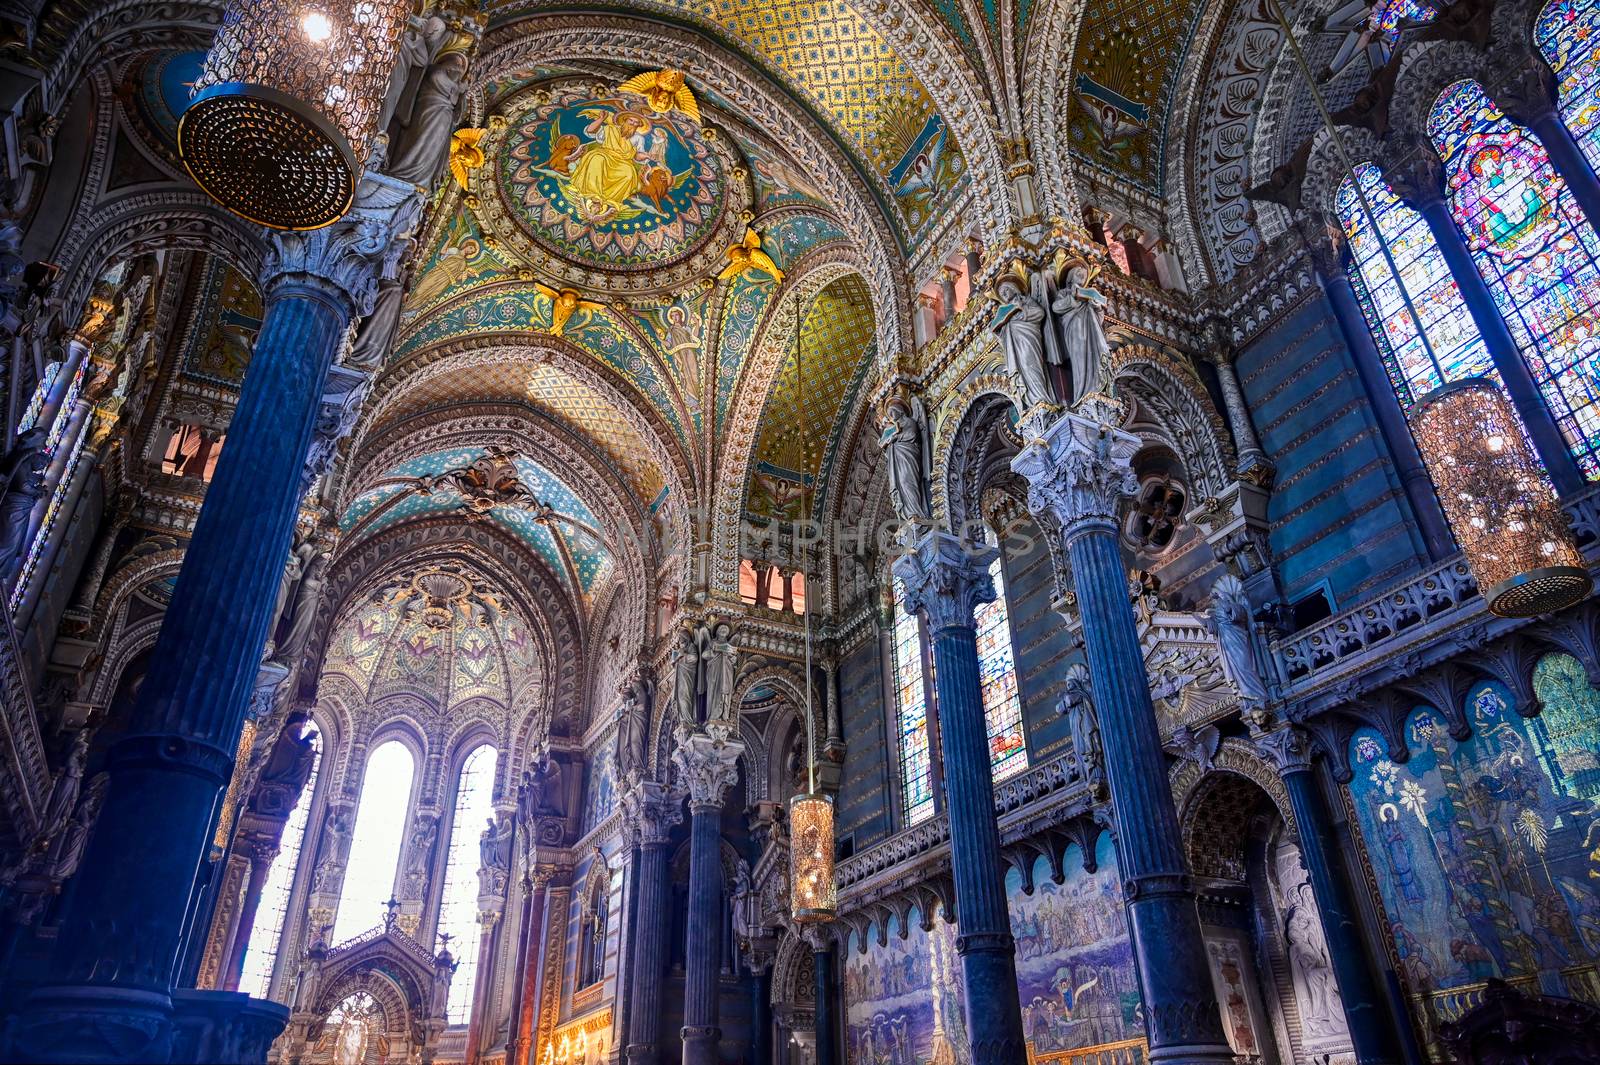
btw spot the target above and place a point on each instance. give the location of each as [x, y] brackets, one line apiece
[113, 1025]
[641, 1054]
[1194, 1054]
[700, 1044]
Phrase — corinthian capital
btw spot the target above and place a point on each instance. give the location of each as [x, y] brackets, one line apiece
[1077, 471]
[348, 258]
[946, 579]
[707, 767]
[1287, 749]
[650, 811]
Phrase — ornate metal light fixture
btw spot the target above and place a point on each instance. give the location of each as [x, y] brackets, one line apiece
[286, 105]
[1499, 502]
[812, 896]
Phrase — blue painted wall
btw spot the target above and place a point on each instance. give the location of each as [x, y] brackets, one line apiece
[1338, 514]
[865, 793]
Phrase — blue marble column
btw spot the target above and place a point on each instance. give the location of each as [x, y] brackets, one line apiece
[110, 996]
[1414, 479]
[1372, 1032]
[1421, 184]
[651, 812]
[1078, 470]
[708, 768]
[945, 581]
[827, 1014]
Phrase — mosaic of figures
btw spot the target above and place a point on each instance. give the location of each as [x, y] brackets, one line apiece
[1486, 850]
[1075, 973]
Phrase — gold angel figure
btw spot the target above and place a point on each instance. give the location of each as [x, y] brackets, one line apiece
[663, 91]
[466, 155]
[564, 303]
[747, 256]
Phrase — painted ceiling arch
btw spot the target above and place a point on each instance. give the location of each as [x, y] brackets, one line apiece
[497, 484]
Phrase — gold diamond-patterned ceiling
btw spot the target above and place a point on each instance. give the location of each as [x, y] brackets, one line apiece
[822, 370]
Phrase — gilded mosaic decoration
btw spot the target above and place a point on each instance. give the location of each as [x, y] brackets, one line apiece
[609, 181]
[227, 317]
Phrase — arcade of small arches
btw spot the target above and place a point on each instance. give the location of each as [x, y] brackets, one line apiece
[998, 419]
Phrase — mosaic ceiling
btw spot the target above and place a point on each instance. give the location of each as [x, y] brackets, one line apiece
[835, 61]
[554, 522]
[442, 635]
[811, 398]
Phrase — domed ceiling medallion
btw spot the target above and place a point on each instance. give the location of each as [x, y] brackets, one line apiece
[612, 188]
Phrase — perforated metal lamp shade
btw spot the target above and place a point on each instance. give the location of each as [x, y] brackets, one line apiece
[1499, 502]
[286, 106]
[812, 897]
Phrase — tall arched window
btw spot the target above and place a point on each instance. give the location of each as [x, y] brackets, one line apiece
[1568, 35]
[67, 417]
[911, 711]
[375, 843]
[1412, 304]
[997, 678]
[458, 913]
[593, 929]
[261, 953]
[1535, 250]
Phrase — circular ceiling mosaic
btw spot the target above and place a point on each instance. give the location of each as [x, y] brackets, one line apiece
[609, 181]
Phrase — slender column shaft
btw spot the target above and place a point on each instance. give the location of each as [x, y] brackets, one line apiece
[260, 865]
[1567, 157]
[530, 948]
[1519, 384]
[1244, 431]
[1180, 1009]
[828, 1010]
[627, 955]
[761, 1017]
[703, 957]
[488, 921]
[1078, 471]
[945, 582]
[1372, 1032]
[1414, 479]
[644, 1015]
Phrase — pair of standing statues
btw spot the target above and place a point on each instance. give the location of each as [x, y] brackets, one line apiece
[1052, 318]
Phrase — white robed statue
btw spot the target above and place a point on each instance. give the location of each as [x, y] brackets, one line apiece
[1019, 324]
[1081, 311]
[906, 450]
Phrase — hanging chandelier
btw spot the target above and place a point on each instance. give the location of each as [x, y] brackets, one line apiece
[1500, 505]
[812, 897]
[288, 101]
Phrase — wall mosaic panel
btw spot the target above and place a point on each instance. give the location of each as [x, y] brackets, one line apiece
[1485, 850]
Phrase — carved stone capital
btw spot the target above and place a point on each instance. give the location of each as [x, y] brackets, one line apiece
[707, 767]
[348, 258]
[650, 811]
[946, 579]
[1287, 749]
[1078, 471]
[1523, 85]
[1418, 177]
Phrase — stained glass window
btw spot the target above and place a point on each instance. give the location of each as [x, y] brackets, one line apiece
[36, 405]
[458, 914]
[58, 495]
[997, 677]
[1403, 282]
[261, 953]
[1389, 17]
[911, 711]
[1566, 34]
[375, 844]
[1535, 250]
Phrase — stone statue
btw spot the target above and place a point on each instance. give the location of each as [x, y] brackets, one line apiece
[375, 336]
[541, 786]
[1316, 990]
[419, 854]
[421, 41]
[686, 680]
[1228, 619]
[285, 770]
[633, 731]
[68, 849]
[1019, 323]
[1081, 311]
[22, 478]
[1083, 726]
[746, 903]
[906, 448]
[64, 792]
[494, 845]
[721, 662]
[420, 148]
[303, 610]
[293, 569]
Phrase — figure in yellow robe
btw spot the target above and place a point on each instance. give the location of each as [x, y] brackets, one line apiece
[608, 173]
